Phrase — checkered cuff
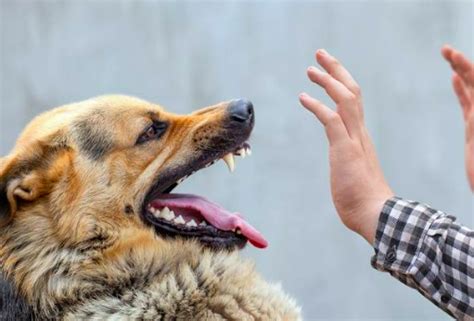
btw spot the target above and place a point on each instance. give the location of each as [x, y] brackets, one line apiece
[425, 249]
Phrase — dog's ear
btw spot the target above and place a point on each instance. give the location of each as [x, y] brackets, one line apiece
[5, 211]
[4, 205]
[17, 185]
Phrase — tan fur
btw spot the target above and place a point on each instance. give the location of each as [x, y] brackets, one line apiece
[72, 239]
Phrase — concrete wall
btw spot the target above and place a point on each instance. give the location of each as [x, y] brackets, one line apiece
[191, 54]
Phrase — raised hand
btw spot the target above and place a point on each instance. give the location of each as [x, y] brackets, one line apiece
[463, 84]
[358, 186]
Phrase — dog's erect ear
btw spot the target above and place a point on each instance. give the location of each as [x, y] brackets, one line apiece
[15, 186]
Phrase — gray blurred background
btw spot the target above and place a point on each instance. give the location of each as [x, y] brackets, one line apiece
[188, 55]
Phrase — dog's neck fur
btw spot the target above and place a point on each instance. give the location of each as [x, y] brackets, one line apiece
[139, 276]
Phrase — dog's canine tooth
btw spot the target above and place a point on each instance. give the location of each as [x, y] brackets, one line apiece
[229, 160]
[191, 223]
[238, 231]
[248, 151]
[179, 220]
[203, 223]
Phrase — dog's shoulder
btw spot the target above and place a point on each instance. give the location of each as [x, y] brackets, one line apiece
[12, 306]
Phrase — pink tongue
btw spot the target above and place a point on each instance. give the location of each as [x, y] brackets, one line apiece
[214, 214]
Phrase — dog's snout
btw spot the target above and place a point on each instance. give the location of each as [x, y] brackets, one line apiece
[241, 110]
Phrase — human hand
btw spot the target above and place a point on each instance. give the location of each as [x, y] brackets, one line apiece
[463, 84]
[358, 186]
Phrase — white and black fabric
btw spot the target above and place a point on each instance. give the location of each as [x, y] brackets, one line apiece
[427, 250]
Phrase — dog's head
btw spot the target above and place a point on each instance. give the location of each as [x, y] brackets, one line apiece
[85, 171]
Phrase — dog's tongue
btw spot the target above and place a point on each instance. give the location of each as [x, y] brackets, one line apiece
[214, 214]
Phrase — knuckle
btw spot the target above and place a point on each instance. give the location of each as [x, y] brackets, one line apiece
[325, 77]
[333, 119]
[349, 98]
[355, 89]
[335, 62]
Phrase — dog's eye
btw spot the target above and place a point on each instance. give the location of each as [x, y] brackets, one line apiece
[154, 131]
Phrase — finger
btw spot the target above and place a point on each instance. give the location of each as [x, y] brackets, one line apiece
[332, 122]
[336, 90]
[340, 73]
[461, 92]
[446, 51]
[459, 63]
[337, 70]
[343, 97]
[463, 67]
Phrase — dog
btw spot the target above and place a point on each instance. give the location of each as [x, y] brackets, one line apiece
[12, 306]
[90, 229]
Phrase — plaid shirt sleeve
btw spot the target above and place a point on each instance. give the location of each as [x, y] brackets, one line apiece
[425, 249]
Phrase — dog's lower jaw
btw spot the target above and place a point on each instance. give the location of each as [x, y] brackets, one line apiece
[199, 285]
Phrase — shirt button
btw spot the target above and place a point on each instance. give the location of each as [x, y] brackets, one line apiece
[391, 255]
[445, 298]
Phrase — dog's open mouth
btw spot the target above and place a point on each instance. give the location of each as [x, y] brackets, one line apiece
[192, 216]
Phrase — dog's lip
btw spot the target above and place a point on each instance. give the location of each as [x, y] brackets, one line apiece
[208, 235]
[212, 213]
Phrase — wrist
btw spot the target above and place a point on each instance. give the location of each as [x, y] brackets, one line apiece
[367, 227]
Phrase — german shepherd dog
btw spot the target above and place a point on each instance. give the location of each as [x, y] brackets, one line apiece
[90, 229]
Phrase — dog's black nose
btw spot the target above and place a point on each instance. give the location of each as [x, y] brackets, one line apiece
[241, 110]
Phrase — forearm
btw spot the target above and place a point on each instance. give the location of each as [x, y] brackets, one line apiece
[425, 249]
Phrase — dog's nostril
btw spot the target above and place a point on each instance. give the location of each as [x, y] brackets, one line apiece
[241, 110]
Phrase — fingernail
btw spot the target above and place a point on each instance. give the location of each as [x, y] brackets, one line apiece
[303, 95]
[313, 69]
[323, 52]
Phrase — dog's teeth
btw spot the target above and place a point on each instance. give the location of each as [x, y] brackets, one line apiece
[172, 215]
[167, 214]
[191, 223]
[248, 151]
[203, 223]
[155, 212]
[179, 220]
[242, 152]
[238, 231]
[180, 180]
[229, 160]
